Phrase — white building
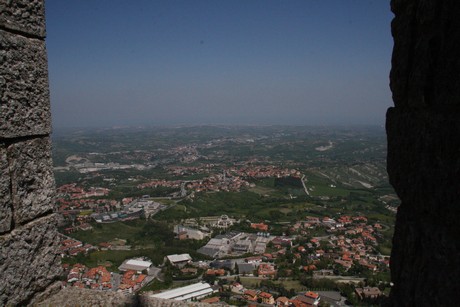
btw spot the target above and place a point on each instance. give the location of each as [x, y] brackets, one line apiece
[187, 293]
[190, 233]
[179, 260]
[137, 265]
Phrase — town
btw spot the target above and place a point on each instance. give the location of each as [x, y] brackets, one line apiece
[257, 229]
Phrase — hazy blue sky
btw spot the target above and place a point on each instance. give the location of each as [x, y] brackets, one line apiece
[232, 62]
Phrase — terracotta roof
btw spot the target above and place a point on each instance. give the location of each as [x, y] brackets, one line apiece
[140, 278]
[312, 294]
[282, 299]
[265, 295]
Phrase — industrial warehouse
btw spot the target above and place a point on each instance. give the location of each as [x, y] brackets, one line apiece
[187, 293]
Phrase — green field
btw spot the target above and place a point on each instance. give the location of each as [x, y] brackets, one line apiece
[348, 178]
[110, 231]
[153, 239]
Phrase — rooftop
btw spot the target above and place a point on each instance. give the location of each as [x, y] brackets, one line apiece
[187, 292]
[179, 258]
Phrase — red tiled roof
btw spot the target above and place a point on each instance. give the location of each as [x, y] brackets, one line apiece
[312, 294]
[265, 295]
[140, 278]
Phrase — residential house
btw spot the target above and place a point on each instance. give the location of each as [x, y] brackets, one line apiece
[259, 226]
[306, 300]
[368, 292]
[282, 241]
[250, 295]
[236, 287]
[266, 270]
[282, 301]
[267, 298]
[218, 272]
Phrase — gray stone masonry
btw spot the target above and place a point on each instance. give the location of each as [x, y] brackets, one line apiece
[29, 261]
[29, 241]
[32, 180]
[23, 16]
[6, 213]
[24, 93]
[85, 297]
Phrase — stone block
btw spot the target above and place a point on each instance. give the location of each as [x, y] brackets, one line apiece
[24, 93]
[25, 16]
[87, 297]
[32, 181]
[29, 261]
[5, 192]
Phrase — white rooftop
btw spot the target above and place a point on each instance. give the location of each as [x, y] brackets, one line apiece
[185, 293]
[134, 264]
[179, 258]
[138, 262]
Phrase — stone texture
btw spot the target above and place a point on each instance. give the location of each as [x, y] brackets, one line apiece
[147, 301]
[51, 290]
[5, 192]
[29, 262]
[25, 16]
[24, 93]
[86, 297]
[32, 179]
[423, 132]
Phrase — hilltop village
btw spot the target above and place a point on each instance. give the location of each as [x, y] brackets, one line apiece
[250, 232]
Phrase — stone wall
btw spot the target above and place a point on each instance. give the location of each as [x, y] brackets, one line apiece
[87, 297]
[29, 264]
[423, 157]
[423, 132]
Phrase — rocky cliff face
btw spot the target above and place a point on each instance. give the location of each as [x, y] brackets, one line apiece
[423, 132]
[29, 264]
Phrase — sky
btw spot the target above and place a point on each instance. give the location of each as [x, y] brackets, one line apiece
[193, 62]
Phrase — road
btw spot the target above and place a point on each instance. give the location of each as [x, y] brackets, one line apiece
[304, 185]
